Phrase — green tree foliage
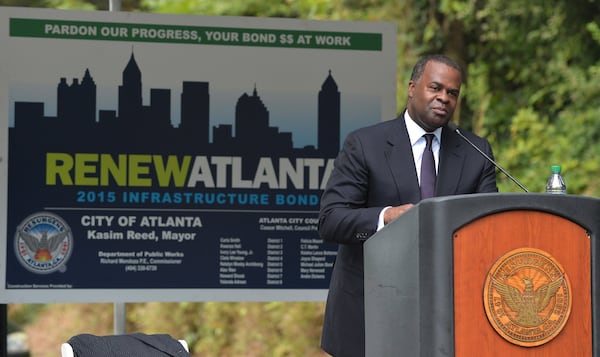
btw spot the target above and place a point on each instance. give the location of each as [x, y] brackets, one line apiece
[532, 79]
[24, 3]
[126, 5]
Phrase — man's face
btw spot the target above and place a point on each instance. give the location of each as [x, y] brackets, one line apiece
[433, 97]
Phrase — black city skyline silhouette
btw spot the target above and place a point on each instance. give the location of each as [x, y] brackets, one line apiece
[133, 126]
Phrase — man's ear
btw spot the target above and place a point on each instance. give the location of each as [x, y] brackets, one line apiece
[411, 87]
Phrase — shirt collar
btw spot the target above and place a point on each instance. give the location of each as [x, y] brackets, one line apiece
[415, 132]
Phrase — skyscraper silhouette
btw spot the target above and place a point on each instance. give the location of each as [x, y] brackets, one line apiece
[252, 130]
[329, 118]
[149, 127]
[76, 103]
[195, 110]
[130, 96]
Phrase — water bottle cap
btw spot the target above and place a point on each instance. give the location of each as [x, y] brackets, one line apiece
[556, 169]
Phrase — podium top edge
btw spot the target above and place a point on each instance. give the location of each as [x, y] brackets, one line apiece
[510, 196]
[583, 210]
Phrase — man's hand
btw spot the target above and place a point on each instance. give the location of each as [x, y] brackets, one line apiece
[392, 213]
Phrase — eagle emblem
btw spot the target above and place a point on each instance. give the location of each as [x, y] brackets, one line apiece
[527, 297]
[527, 304]
[43, 243]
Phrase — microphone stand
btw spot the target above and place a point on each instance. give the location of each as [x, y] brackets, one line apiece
[454, 128]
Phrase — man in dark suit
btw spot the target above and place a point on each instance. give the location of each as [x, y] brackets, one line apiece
[377, 177]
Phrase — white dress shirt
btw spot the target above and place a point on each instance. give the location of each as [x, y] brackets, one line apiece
[418, 142]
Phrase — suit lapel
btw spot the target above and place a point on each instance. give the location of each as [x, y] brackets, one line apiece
[400, 160]
[450, 165]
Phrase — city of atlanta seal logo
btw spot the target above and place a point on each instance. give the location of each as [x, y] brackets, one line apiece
[527, 297]
[43, 243]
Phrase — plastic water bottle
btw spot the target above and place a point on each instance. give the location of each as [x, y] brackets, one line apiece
[556, 183]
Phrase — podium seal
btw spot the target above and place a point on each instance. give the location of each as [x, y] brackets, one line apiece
[527, 297]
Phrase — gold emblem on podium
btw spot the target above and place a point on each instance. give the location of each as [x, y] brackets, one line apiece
[527, 297]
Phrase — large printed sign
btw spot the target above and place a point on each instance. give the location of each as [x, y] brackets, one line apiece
[162, 158]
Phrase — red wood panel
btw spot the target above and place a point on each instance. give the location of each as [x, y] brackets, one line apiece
[478, 245]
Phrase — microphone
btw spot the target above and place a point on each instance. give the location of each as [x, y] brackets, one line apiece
[455, 129]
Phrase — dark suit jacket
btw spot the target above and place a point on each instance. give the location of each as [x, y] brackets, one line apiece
[127, 345]
[376, 169]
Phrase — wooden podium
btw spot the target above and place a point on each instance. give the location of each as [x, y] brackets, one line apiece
[486, 275]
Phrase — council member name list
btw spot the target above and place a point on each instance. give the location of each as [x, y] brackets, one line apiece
[288, 252]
